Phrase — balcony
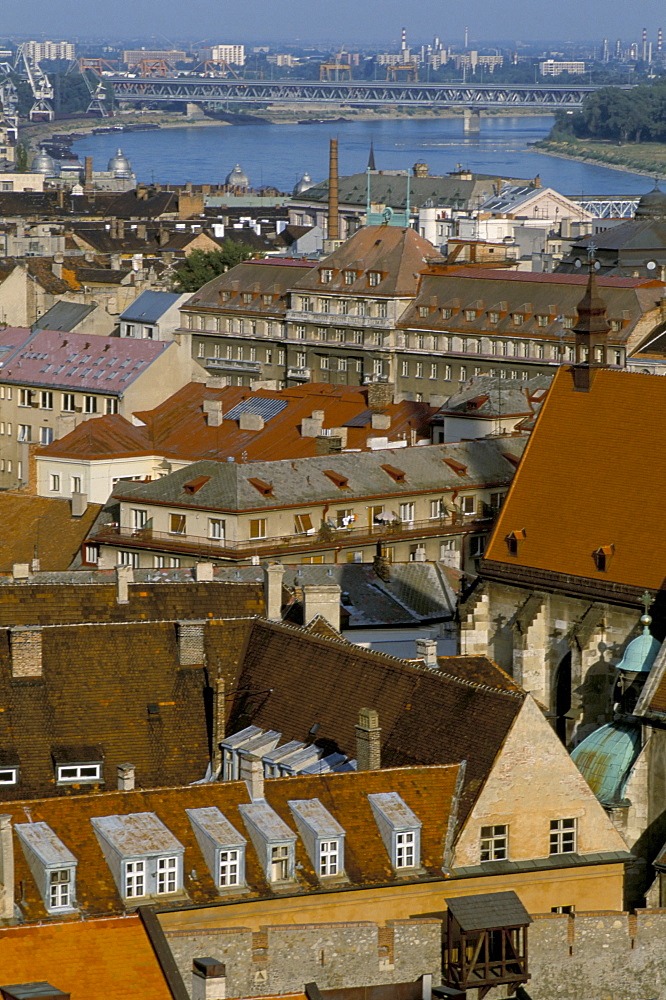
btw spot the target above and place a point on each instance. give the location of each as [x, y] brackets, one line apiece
[299, 374]
[233, 365]
[340, 319]
[327, 538]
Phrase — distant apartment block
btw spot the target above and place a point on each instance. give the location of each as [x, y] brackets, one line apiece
[225, 53]
[552, 68]
[38, 51]
[132, 57]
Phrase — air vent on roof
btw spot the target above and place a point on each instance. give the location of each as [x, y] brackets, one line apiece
[602, 557]
[266, 489]
[195, 485]
[396, 474]
[458, 467]
[512, 459]
[342, 482]
[513, 539]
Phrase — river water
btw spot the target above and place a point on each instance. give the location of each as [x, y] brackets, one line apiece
[277, 155]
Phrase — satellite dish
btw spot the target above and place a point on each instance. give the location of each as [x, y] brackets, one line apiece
[651, 264]
[597, 265]
[577, 263]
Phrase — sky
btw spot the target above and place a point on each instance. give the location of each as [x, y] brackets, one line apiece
[351, 22]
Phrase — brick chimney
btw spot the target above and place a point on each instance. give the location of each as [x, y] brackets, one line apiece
[25, 642]
[209, 979]
[368, 741]
[311, 426]
[273, 575]
[219, 723]
[252, 773]
[380, 395]
[190, 642]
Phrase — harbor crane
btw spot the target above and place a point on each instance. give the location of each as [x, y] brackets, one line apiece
[41, 86]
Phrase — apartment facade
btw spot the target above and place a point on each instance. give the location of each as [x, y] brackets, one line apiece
[412, 504]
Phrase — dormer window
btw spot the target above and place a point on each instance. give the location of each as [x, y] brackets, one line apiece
[493, 317]
[470, 315]
[374, 277]
[78, 765]
[602, 556]
[447, 313]
[273, 841]
[397, 475]
[266, 489]
[143, 855]
[400, 829]
[222, 846]
[513, 540]
[424, 312]
[518, 319]
[326, 276]
[322, 835]
[349, 277]
[342, 482]
[52, 864]
[280, 858]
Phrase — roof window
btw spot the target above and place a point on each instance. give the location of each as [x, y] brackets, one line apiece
[273, 841]
[399, 827]
[53, 865]
[513, 540]
[342, 482]
[222, 846]
[143, 855]
[195, 485]
[457, 467]
[266, 489]
[78, 765]
[322, 835]
[602, 556]
[397, 475]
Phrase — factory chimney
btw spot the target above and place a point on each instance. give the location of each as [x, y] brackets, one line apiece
[645, 45]
[403, 46]
[333, 191]
[660, 39]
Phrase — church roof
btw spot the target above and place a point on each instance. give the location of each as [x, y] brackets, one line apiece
[605, 759]
[590, 479]
[640, 654]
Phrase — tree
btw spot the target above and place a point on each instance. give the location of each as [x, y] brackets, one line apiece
[21, 159]
[203, 265]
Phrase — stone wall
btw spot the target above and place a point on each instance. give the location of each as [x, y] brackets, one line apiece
[283, 959]
[598, 956]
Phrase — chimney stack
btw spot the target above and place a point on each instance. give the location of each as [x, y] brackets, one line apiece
[204, 572]
[273, 575]
[124, 576]
[219, 723]
[252, 773]
[324, 600]
[368, 741]
[25, 643]
[426, 650]
[209, 979]
[79, 504]
[88, 173]
[126, 777]
[333, 193]
[212, 409]
[190, 635]
[6, 868]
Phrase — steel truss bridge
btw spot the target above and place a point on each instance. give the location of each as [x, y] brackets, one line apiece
[609, 207]
[198, 89]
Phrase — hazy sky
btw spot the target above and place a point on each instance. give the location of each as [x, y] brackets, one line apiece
[349, 21]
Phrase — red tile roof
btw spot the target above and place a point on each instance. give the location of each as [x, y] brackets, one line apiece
[42, 528]
[104, 959]
[547, 279]
[592, 475]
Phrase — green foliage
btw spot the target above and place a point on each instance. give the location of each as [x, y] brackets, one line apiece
[203, 265]
[635, 116]
[21, 158]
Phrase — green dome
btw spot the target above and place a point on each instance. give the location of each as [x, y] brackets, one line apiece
[606, 757]
[640, 654]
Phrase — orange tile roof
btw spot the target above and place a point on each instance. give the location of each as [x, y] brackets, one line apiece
[592, 475]
[96, 960]
[429, 791]
[42, 527]
[177, 428]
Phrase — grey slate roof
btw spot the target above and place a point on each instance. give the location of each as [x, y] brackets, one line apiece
[485, 395]
[149, 307]
[227, 486]
[489, 910]
[63, 316]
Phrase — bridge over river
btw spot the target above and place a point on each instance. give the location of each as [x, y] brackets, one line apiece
[480, 97]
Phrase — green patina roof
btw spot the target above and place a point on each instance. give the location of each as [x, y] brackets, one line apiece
[640, 654]
[606, 757]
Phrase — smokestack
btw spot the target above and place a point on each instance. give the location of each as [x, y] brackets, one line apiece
[333, 193]
[660, 39]
[88, 172]
[644, 44]
[403, 46]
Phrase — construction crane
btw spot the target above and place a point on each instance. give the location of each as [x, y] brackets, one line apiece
[42, 89]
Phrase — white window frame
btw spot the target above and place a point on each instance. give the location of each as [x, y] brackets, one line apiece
[126, 557]
[407, 509]
[468, 505]
[90, 404]
[24, 433]
[68, 402]
[405, 849]
[46, 399]
[69, 774]
[563, 836]
[45, 436]
[139, 518]
[229, 867]
[8, 775]
[54, 482]
[166, 875]
[216, 528]
[135, 879]
[60, 889]
[494, 842]
[280, 862]
[329, 857]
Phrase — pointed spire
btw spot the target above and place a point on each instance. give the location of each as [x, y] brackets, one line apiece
[591, 332]
[371, 158]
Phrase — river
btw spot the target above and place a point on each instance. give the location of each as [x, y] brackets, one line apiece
[277, 155]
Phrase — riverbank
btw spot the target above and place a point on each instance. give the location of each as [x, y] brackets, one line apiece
[648, 158]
